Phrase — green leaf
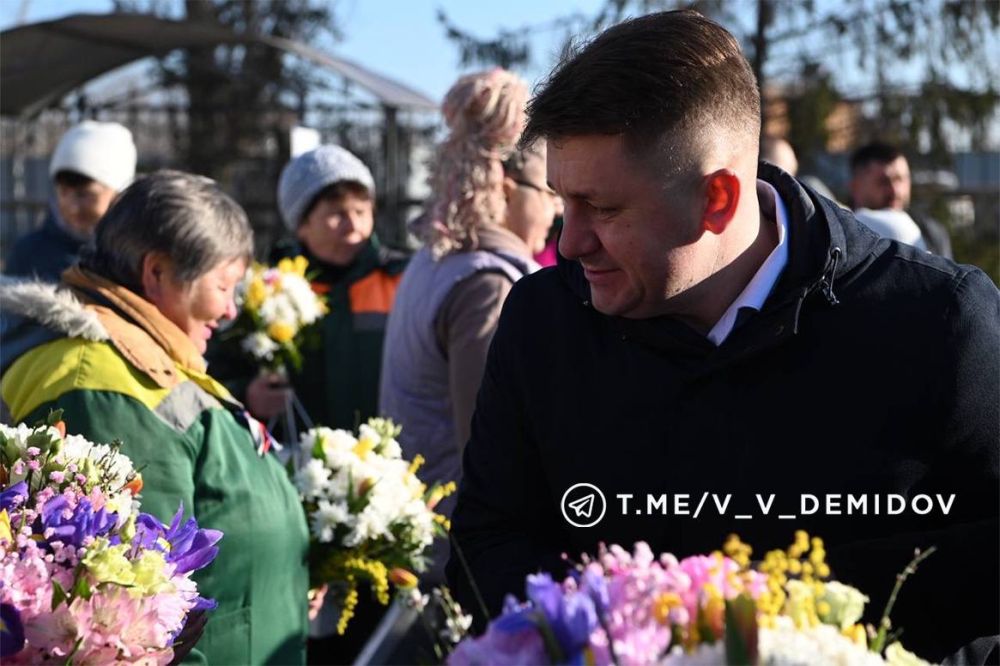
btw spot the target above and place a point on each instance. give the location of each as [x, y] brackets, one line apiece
[82, 588]
[54, 417]
[552, 647]
[741, 631]
[72, 655]
[58, 594]
[704, 628]
[39, 438]
[317, 451]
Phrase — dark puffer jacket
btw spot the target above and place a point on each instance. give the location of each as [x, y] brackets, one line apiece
[873, 368]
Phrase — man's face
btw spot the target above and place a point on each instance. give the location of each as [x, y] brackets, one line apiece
[82, 206]
[639, 241]
[882, 185]
[336, 229]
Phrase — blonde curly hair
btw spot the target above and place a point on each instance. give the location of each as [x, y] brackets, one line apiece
[485, 115]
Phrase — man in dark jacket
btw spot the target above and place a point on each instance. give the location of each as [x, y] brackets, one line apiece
[720, 349]
[880, 181]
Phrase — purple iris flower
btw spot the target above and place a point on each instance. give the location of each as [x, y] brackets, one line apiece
[148, 532]
[596, 586]
[10, 497]
[83, 522]
[191, 548]
[572, 617]
[203, 604]
[516, 617]
[11, 631]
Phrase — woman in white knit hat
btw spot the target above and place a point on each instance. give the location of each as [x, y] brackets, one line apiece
[93, 162]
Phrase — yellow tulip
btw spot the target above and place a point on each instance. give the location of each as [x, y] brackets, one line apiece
[281, 332]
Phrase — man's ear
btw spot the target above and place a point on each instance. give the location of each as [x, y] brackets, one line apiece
[156, 270]
[722, 196]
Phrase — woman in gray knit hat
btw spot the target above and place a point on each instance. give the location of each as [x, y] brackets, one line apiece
[327, 201]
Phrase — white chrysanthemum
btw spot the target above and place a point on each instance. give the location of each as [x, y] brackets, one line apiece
[703, 655]
[304, 300]
[278, 308]
[338, 442]
[117, 467]
[785, 645]
[313, 480]
[260, 346]
[391, 448]
[123, 504]
[327, 517]
[19, 434]
[75, 448]
[373, 523]
[846, 604]
[369, 467]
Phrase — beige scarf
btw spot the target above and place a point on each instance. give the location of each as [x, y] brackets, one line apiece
[150, 341]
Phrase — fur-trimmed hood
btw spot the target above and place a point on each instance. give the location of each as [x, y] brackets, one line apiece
[33, 312]
[89, 308]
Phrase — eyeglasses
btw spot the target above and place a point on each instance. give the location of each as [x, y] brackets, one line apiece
[537, 188]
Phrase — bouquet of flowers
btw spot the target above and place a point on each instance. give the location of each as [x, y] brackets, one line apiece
[84, 576]
[277, 305]
[635, 608]
[370, 517]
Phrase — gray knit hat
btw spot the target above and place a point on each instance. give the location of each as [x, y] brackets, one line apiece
[304, 177]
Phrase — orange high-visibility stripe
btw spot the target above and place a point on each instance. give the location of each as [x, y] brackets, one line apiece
[374, 293]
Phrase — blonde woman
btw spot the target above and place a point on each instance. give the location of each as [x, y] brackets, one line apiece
[491, 210]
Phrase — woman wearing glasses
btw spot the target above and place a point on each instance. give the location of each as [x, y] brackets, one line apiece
[490, 211]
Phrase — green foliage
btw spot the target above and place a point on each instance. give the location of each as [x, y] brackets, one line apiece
[981, 251]
[741, 631]
[58, 594]
[508, 49]
[235, 90]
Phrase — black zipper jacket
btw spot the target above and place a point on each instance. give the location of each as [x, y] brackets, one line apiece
[872, 370]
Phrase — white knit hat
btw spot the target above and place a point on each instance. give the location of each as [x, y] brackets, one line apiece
[102, 151]
[304, 177]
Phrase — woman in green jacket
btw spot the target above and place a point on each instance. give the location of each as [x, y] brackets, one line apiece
[118, 346]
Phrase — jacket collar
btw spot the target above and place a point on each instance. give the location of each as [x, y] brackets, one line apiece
[98, 291]
[504, 243]
[369, 258]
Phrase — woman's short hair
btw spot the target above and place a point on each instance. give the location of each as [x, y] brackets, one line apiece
[181, 215]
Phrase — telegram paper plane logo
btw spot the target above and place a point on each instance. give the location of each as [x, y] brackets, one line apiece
[583, 505]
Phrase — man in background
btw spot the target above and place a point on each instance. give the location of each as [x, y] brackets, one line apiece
[92, 163]
[880, 184]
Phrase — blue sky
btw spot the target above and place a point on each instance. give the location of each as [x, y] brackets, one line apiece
[398, 38]
[402, 39]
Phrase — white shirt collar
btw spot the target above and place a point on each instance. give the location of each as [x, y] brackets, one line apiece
[759, 288]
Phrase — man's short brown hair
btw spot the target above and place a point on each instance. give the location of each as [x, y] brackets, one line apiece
[647, 77]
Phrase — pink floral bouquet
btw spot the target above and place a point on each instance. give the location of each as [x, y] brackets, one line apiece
[85, 578]
[636, 608]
